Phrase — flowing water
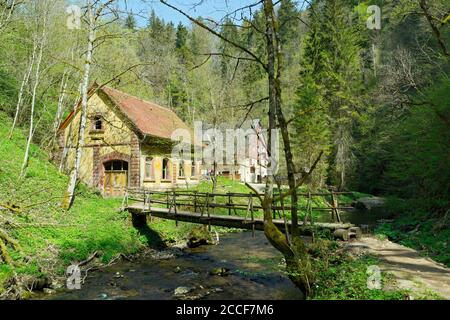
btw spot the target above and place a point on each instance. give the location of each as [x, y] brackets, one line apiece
[253, 264]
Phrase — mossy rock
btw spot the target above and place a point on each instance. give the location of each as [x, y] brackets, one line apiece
[199, 236]
[219, 272]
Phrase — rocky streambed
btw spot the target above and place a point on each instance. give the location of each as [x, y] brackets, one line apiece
[239, 267]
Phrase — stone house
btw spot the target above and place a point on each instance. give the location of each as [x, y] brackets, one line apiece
[127, 144]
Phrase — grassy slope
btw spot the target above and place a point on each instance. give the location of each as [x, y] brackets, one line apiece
[54, 238]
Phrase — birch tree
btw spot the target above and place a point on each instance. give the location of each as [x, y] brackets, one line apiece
[40, 39]
[25, 81]
[95, 12]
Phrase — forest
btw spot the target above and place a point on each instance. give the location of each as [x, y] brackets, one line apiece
[358, 88]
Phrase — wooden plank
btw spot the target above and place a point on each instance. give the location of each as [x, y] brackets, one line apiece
[224, 221]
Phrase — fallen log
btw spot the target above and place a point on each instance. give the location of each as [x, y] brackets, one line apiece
[12, 208]
[5, 239]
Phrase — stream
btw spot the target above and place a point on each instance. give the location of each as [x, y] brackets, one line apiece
[239, 267]
[249, 268]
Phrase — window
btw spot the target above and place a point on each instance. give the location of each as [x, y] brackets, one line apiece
[98, 123]
[116, 165]
[149, 168]
[194, 169]
[165, 169]
[181, 169]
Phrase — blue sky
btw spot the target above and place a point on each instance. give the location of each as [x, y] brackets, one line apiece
[214, 9]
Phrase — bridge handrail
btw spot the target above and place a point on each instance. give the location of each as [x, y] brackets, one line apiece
[202, 201]
[234, 194]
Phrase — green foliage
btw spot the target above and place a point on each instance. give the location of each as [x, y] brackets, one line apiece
[288, 15]
[329, 91]
[414, 228]
[130, 22]
[50, 237]
[8, 91]
[346, 279]
[409, 158]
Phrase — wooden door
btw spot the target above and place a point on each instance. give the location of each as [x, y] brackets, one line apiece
[116, 183]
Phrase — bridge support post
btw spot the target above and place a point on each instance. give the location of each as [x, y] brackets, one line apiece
[335, 208]
[252, 215]
[209, 221]
[145, 198]
[168, 200]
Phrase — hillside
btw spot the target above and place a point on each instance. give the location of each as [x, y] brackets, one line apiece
[50, 239]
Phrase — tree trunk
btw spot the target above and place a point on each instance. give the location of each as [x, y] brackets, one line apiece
[25, 80]
[33, 100]
[60, 108]
[297, 260]
[69, 196]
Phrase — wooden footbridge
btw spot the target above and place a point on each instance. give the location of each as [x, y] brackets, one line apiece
[233, 210]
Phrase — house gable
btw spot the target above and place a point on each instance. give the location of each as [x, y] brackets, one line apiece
[115, 136]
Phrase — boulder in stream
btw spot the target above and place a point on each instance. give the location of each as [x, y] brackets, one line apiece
[177, 270]
[180, 291]
[163, 255]
[199, 236]
[369, 203]
[103, 296]
[219, 272]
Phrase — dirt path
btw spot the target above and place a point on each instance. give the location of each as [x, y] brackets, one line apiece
[412, 271]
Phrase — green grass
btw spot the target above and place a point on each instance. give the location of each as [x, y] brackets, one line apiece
[427, 240]
[339, 276]
[347, 280]
[414, 227]
[51, 238]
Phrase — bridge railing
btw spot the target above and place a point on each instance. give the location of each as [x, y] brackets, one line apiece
[232, 203]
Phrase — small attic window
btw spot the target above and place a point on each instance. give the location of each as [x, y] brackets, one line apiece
[98, 123]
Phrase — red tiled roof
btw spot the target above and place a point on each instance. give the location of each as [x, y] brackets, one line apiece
[148, 117]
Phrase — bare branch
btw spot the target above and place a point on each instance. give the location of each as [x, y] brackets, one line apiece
[204, 26]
